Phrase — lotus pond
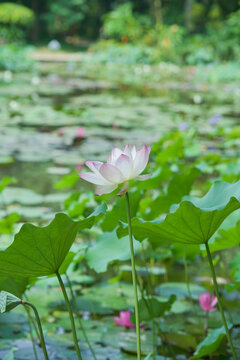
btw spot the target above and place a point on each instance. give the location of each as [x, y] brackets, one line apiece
[60, 114]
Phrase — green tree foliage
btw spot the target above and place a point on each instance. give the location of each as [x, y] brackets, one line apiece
[64, 16]
[15, 14]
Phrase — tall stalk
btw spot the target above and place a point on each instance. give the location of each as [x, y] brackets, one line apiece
[70, 315]
[79, 318]
[134, 279]
[187, 282]
[149, 295]
[220, 301]
[39, 328]
[31, 333]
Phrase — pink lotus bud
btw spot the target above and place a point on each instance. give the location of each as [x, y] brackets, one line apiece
[207, 302]
[120, 167]
[80, 132]
[124, 320]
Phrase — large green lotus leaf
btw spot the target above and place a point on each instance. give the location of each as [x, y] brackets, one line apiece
[226, 238]
[107, 249]
[194, 220]
[8, 301]
[40, 251]
[211, 343]
[15, 286]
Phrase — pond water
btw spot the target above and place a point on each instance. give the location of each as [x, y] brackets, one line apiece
[61, 114]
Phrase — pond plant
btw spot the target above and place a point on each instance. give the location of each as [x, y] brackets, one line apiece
[45, 251]
[121, 167]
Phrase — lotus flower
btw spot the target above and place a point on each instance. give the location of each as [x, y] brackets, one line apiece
[124, 319]
[80, 132]
[120, 167]
[207, 301]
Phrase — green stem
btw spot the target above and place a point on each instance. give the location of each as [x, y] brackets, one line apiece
[79, 319]
[70, 315]
[31, 333]
[149, 294]
[134, 280]
[220, 301]
[187, 282]
[40, 329]
[205, 330]
[32, 319]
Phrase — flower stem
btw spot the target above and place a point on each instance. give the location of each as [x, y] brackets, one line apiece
[31, 332]
[134, 279]
[70, 315]
[79, 319]
[187, 282]
[220, 301]
[40, 329]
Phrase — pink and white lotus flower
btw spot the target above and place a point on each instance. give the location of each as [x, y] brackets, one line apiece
[120, 167]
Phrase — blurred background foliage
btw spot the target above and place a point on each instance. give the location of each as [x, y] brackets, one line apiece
[148, 31]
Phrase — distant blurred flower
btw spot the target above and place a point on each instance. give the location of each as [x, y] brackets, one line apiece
[61, 132]
[183, 126]
[35, 80]
[207, 301]
[7, 76]
[14, 105]
[54, 45]
[80, 132]
[197, 99]
[79, 167]
[120, 167]
[214, 119]
[115, 126]
[124, 319]
[54, 79]
[166, 43]
[86, 315]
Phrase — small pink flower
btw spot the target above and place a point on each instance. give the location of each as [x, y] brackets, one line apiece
[124, 319]
[207, 301]
[80, 132]
[79, 167]
[120, 167]
[115, 126]
[61, 132]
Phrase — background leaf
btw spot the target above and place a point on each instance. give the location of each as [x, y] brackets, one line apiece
[107, 249]
[8, 301]
[211, 343]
